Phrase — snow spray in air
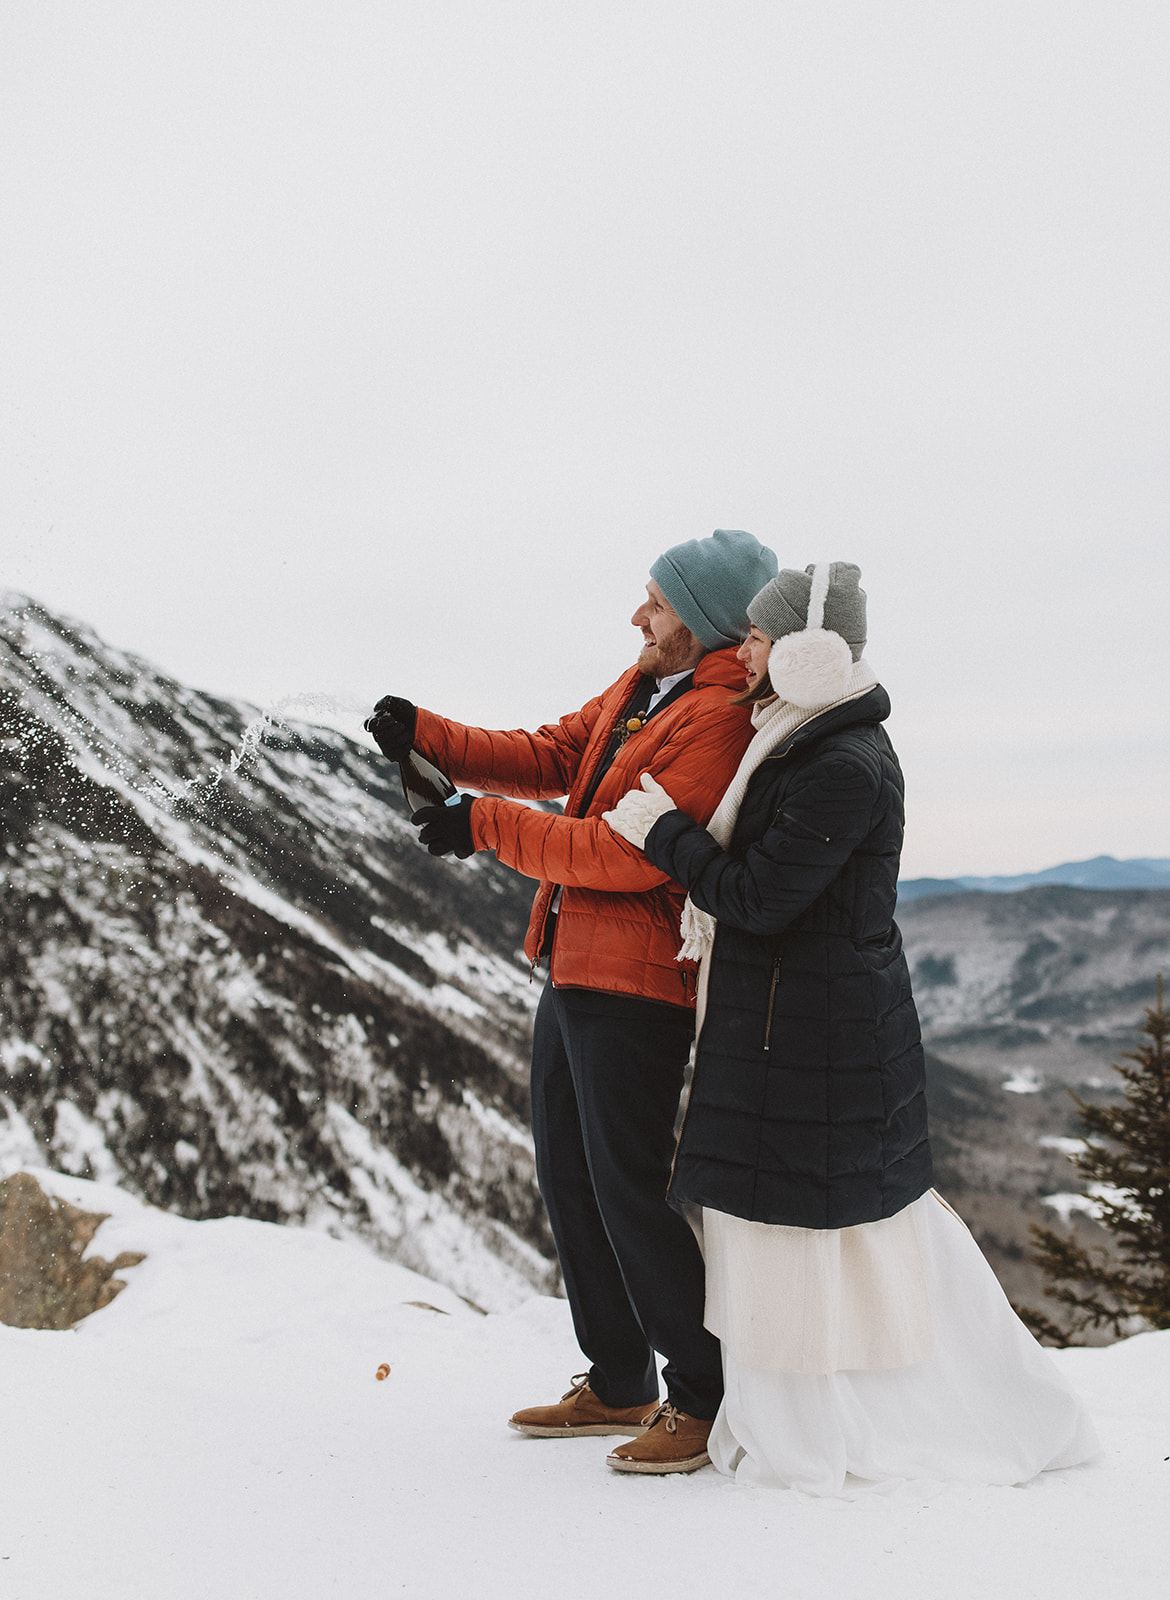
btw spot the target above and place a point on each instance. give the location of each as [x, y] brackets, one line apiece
[422, 782]
[324, 705]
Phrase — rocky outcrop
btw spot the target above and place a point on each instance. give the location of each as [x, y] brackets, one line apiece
[46, 1279]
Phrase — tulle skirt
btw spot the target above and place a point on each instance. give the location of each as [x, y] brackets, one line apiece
[987, 1405]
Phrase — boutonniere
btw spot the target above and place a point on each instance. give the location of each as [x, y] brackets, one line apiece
[624, 726]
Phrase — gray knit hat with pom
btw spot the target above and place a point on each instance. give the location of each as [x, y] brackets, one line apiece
[781, 607]
[710, 581]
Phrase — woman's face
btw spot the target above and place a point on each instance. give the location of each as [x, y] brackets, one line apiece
[753, 655]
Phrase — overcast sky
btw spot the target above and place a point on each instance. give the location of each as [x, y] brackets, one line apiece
[357, 348]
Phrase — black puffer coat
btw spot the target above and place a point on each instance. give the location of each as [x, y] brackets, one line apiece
[808, 1103]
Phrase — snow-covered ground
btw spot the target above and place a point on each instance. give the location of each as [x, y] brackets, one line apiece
[219, 1431]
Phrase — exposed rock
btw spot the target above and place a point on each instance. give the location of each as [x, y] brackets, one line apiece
[46, 1279]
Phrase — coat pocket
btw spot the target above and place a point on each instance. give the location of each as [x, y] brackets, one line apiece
[771, 1012]
[801, 827]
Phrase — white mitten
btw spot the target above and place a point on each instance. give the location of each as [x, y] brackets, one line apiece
[638, 810]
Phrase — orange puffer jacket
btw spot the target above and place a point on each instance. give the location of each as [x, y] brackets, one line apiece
[618, 923]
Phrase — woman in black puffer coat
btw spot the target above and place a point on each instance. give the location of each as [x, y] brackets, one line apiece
[863, 1332]
[810, 1105]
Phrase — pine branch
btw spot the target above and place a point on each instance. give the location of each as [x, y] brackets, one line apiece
[1042, 1327]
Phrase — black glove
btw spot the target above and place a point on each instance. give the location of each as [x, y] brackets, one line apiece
[446, 830]
[392, 725]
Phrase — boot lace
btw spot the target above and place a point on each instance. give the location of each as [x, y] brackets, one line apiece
[664, 1412]
[579, 1381]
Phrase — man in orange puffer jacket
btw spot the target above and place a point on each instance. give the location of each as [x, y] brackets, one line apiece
[614, 1026]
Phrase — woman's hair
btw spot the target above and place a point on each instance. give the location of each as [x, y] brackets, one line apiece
[755, 693]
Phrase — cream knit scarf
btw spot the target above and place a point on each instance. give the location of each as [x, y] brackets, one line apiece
[774, 723]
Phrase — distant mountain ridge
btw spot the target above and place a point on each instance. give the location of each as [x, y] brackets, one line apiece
[1102, 872]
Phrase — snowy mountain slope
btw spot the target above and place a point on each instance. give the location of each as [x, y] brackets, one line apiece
[219, 1430]
[1049, 979]
[233, 981]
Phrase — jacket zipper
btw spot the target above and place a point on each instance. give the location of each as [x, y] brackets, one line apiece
[535, 962]
[771, 1004]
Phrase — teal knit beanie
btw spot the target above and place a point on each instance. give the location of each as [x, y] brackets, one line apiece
[709, 582]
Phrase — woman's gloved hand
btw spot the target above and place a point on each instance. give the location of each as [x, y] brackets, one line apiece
[392, 725]
[638, 810]
[446, 830]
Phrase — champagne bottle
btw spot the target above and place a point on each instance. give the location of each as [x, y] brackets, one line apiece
[423, 784]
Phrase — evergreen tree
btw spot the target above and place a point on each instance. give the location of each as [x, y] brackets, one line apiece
[1126, 1167]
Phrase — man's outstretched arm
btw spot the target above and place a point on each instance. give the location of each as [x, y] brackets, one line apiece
[584, 852]
[540, 765]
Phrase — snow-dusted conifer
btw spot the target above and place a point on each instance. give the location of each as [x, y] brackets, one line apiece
[1126, 1167]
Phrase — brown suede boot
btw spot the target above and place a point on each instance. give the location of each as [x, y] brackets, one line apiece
[672, 1442]
[580, 1412]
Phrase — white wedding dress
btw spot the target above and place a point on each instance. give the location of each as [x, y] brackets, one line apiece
[878, 1353]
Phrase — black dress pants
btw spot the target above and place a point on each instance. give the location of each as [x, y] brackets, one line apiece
[607, 1070]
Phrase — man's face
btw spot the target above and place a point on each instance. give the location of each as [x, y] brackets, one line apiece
[667, 645]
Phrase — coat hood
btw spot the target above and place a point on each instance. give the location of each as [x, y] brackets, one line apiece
[720, 668]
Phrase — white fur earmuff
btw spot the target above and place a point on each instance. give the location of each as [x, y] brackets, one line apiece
[812, 667]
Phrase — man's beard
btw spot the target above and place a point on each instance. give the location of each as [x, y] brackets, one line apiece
[648, 660]
[672, 655]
